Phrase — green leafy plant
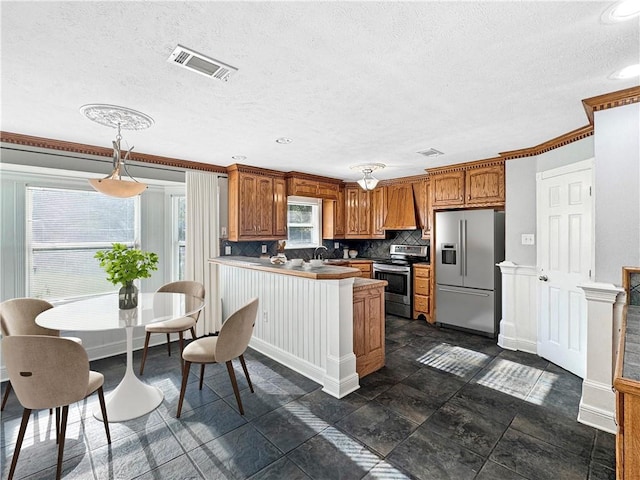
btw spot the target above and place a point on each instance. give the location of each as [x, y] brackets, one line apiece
[123, 265]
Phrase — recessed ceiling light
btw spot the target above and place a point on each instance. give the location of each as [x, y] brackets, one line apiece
[283, 140]
[238, 158]
[627, 72]
[621, 11]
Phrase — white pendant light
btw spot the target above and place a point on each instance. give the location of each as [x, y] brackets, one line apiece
[368, 181]
[118, 117]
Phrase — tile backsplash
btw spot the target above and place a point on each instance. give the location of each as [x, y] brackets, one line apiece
[365, 248]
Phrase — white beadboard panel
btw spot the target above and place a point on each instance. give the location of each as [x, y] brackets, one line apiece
[519, 324]
[303, 323]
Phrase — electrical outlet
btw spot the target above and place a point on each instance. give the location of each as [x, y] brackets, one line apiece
[264, 249]
[336, 245]
[227, 249]
[528, 239]
[223, 232]
[265, 316]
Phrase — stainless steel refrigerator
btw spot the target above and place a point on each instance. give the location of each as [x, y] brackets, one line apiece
[469, 244]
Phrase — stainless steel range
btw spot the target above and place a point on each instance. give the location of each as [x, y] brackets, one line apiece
[396, 270]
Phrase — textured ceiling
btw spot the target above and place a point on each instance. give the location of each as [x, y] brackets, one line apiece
[348, 82]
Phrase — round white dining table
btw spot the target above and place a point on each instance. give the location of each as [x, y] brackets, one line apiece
[132, 398]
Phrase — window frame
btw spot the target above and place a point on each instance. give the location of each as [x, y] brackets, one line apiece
[316, 224]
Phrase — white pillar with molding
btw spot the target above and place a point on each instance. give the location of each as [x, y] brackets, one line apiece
[605, 303]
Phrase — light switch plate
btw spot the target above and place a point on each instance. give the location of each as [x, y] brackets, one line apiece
[227, 250]
[528, 239]
[264, 249]
[336, 245]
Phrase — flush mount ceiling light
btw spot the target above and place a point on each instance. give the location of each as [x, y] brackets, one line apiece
[283, 140]
[368, 181]
[626, 72]
[621, 11]
[120, 118]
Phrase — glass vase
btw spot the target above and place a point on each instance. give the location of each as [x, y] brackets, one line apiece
[128, 296]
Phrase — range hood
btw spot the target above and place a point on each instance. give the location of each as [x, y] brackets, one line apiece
[401, 209]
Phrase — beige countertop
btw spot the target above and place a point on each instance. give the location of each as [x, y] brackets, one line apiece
[326, 272]
[365, 283]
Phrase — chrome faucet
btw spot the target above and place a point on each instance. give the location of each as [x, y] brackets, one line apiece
[319, 255]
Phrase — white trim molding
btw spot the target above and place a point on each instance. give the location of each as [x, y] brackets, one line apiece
[519, 324]
[605, 303]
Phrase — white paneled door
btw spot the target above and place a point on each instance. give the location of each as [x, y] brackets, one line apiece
[565, 260]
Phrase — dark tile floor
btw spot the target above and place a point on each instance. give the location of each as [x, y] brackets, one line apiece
[446, 405]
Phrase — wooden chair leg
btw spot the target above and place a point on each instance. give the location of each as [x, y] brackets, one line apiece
[246, 372]
[63, 431]
[201, 374]
[144, 352]
[169, 343]
[23, 428]
[181, 343]
[6, 395]
[234, 384]
[103, 408]
[185, 376]
[193, 333]
[57, 424]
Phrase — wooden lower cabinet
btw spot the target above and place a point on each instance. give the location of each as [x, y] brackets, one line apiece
[422, 291]
[365, 266]
[368, 326]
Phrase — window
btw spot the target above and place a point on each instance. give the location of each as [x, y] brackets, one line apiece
[179, 234]
[303, 222]
[65, 228]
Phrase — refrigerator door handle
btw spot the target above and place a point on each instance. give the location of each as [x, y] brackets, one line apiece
[464, 245]
[441, 289]
[461, 247]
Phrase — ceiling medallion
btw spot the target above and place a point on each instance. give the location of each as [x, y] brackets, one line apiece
[114, 116]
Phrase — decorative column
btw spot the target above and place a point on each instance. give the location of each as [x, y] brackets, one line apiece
[519, 324]
[605, 303]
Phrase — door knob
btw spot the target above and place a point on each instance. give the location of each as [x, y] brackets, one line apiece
[544, 278]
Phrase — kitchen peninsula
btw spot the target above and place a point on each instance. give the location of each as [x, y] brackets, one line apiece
[326, 323]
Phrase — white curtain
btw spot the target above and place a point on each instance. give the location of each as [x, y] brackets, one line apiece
[203, 243]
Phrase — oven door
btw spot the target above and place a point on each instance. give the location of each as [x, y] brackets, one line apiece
[398, 278]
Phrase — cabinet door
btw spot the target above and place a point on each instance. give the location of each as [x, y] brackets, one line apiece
[328, 190]
[447, 189]
[485, 185]
[279, 207]
[364, 213]
[247, 210]
[368, 330]
[339, 223]
[264, 206]
[378, 212]
[303, 187]
[357, 213]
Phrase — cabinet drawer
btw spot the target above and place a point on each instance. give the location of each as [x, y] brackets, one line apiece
[421, 272]
[421, 286]
[421, 303]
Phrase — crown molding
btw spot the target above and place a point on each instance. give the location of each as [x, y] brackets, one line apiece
[561, 141]
[312, 177]
[459, 167]
[610, 100]
[238, 167]
[83, 149]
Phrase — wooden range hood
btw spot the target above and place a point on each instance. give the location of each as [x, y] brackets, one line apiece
[401, 208]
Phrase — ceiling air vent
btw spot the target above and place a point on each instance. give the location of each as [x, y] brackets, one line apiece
[431, 152]
[197, 62]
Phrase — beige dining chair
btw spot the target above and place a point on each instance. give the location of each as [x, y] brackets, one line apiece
[230, 343]
[176, 325]
[50, 372]
[18, 317]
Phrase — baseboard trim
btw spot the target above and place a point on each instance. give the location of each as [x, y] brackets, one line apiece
[597, 418]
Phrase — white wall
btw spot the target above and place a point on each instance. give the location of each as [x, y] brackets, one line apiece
[617, 191]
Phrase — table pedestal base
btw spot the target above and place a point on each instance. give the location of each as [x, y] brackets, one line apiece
[131, 398]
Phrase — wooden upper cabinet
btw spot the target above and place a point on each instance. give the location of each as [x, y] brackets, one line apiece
[306, 185]
[378, 211]
[357, 212]
[470, 185]
[257, 205]
[280, 207]
[485, 185]
[447, 189]
[333, 224]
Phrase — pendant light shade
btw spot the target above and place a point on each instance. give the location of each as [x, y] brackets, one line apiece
[368, 181]
[118, 117]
